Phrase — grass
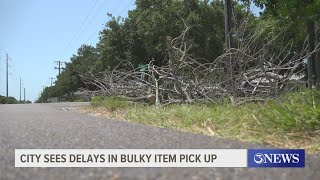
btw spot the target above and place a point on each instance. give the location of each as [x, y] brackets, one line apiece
[111, 103]
[292, 120]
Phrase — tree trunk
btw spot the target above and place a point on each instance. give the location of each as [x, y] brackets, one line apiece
[317, 58]
[228, 41]
[311, 60]
[228, 23]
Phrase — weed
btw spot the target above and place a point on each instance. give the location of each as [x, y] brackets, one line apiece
[292, 120]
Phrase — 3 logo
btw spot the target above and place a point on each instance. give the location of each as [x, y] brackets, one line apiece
[276, 158]
[259, 158]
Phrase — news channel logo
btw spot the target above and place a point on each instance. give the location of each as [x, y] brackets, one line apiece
[273, 158]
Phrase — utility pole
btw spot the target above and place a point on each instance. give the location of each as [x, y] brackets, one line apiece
[228, 23]
[20, 90]
[43, 87]
[59, 63]
[312, 59]
[228, 40]
[7, 75]
[24, 95]
[51, 78]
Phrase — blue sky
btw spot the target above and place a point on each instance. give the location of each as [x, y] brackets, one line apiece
[35, 33]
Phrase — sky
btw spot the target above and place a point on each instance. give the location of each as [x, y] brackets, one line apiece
[36, 33]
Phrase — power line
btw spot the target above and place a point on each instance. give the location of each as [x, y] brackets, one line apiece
[8, 73]
[159, 3]
[91, 36]
[126, 8]
[133, 19]
[95, 3]
[12, 71]
[82, 24]
[119, 14]
[96, 13]
[94, 16]
[147, 7]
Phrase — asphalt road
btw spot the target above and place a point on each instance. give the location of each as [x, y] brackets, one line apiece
[49, 126]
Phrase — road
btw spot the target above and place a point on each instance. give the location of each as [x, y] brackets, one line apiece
[48, 126]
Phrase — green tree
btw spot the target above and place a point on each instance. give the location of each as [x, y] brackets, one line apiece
[303, 17]
[8, 100]
[69, 81]
[141, 37]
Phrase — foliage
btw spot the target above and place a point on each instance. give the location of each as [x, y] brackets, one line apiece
[69, 80]
[84, 62]
[300, 112]
[111, 103]
[46, 94]
[8, 100]
[296, 112]
[140, 37]
[290, 15]
[96, 101]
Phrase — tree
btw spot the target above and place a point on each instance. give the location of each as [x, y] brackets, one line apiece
[69, 81]
[298, 13]
[141, 36]
[8, 100]
[83, 62]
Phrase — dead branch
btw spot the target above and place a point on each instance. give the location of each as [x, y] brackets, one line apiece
[259, 72]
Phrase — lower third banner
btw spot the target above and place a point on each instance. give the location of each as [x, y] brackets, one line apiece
[130, 158]
[252, 158]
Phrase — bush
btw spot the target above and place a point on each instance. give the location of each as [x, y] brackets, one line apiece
[96, 101]
[8, 100]
[294, 112]
[111, 103]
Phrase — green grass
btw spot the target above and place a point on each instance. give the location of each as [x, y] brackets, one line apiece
[292, 120]
[112, 103]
